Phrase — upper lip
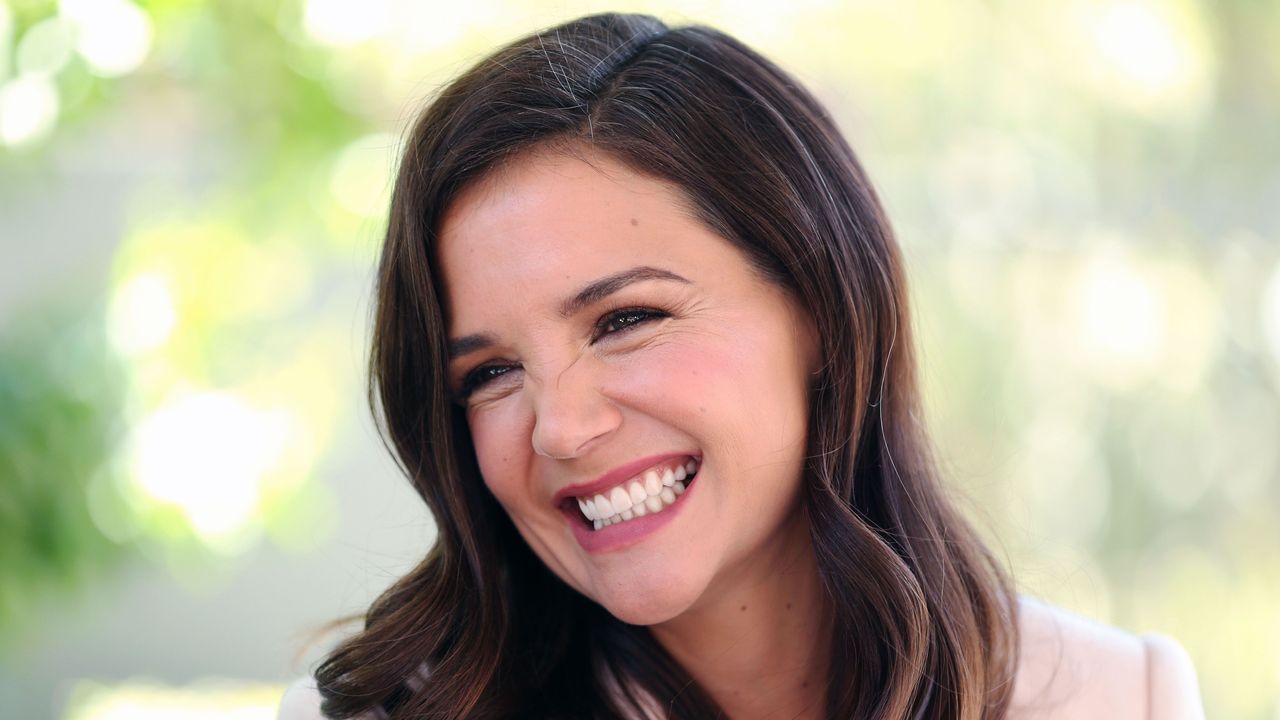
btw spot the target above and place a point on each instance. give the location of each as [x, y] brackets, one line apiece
[616, 476]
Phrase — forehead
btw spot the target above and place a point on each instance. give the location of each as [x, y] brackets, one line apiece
[558, 219]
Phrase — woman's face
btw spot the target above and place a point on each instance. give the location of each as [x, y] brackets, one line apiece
[598, 332]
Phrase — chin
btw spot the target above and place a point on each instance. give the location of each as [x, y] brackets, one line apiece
[651, 601]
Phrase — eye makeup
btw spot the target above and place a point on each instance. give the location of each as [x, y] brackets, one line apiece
[613, 322]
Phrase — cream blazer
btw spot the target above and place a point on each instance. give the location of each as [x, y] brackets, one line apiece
[1071, 668]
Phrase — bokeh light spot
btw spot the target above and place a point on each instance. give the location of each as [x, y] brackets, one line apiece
[1120, 317]
[207, 454]
[142, 314]
[46, 46]
[341, 23]
[1138, 43]
[113, 36]
[28, 109]
[1148, 55]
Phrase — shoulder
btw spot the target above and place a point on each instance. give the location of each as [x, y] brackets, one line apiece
[301, 701]
[1074, 667]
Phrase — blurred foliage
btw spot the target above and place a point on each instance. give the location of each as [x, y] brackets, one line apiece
[60, 397]
[1087, 193]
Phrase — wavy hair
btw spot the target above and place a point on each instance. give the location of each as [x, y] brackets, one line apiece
[925, 617]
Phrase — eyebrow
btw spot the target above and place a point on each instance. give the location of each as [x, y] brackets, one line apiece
[610, 284]
[592, 293]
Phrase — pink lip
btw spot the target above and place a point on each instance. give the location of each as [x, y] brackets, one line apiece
[621, 536]
[615, 476]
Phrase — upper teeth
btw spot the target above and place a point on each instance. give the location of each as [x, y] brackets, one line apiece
[650, 492]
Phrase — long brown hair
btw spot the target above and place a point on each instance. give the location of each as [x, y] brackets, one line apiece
[925, 618]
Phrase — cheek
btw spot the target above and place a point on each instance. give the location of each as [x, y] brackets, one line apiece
[742, 397]
[500, 440]
[683, 377]
[704, 385]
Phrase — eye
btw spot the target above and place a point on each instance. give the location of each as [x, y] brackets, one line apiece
[481, 376]
[610, 323]
[624, 319]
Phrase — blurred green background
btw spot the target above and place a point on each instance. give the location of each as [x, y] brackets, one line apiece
[192, 196]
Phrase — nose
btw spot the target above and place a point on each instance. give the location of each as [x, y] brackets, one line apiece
[570, 414]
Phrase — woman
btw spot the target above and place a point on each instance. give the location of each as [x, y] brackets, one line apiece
[643, 347]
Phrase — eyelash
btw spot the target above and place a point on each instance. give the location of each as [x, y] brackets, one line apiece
[634, 316]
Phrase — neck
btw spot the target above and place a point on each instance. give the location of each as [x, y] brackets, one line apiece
[760, 643]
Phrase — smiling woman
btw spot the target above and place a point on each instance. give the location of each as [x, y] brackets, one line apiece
[643, 347]
[638, 345]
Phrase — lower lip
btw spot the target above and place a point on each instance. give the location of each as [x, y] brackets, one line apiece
[620, 536]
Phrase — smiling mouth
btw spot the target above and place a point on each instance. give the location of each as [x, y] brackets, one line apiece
[652, 491]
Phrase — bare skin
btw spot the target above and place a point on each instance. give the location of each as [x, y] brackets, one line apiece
[761, 645]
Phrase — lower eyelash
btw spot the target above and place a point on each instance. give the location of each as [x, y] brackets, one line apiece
[471, 382]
